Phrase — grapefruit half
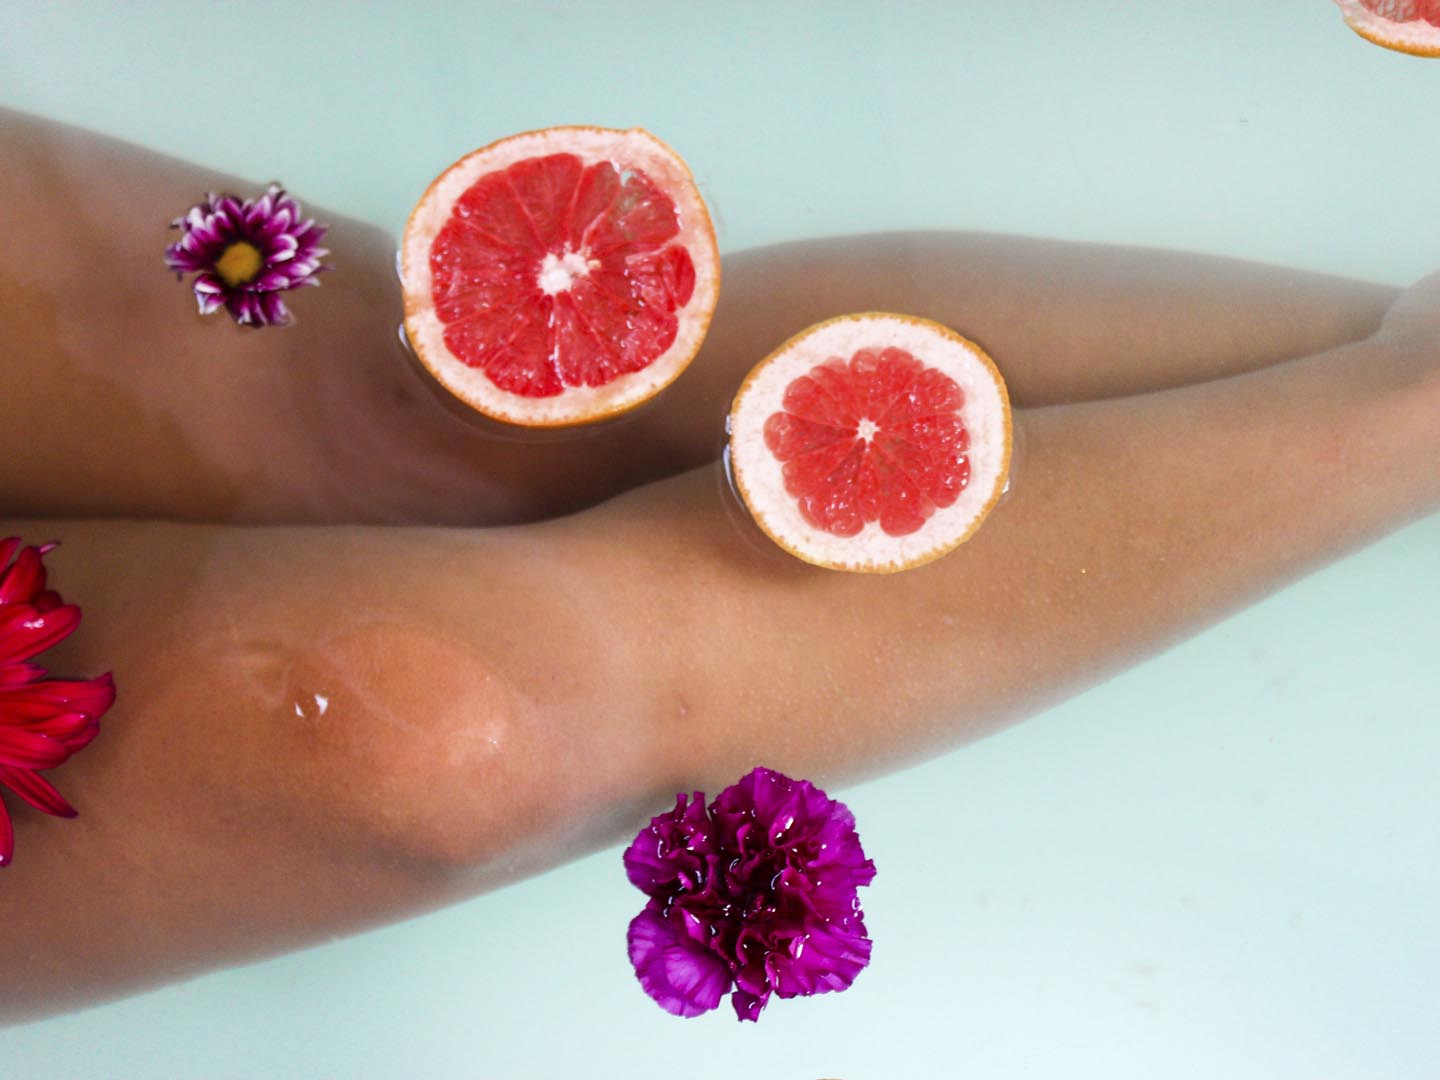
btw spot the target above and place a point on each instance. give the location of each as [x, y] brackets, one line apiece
[871, 442]
[561, 276]
[1408, 26]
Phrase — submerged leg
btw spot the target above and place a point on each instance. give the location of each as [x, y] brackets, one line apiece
[321, 729]
[119, 400]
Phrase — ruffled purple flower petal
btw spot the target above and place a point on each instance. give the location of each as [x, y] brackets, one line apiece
[755, 895]
[246, 254]
[673, 964]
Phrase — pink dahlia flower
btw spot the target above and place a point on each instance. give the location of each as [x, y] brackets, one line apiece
[755, 894]
[245, 255]
[42, 721]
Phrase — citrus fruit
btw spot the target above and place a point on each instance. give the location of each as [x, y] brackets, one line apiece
[1409, 26]
[871, 442]
[560, 276]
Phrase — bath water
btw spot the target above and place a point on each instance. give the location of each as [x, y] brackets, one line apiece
[1223, 862]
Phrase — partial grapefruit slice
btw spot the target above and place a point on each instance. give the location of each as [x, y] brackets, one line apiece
[1408, 26]
[560, 276]
[871, 442]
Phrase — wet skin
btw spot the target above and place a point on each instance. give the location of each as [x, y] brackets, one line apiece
[499, 700]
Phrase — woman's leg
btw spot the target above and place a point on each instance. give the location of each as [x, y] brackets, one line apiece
[119, 400]
[319, 729]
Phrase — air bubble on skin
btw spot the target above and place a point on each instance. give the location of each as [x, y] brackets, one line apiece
[405, 342]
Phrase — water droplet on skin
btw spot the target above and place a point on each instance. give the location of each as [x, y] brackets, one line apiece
[312, 706]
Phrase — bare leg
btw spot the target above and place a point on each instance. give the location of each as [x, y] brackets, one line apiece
[120, 401]
[496, 701]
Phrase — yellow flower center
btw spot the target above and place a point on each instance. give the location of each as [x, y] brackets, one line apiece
[239, 263]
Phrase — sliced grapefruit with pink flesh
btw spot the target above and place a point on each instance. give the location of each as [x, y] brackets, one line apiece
[871, 442]
[1408, 26]
[560, 276]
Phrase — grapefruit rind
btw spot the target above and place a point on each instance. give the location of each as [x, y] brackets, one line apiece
[1415, 36]
[634, 148]
[758, 475]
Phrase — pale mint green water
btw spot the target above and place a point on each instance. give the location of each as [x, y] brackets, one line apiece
[1224, 863]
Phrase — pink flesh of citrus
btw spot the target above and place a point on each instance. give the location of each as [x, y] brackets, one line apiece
[1405, 10]
[551, 273]
[879, 438]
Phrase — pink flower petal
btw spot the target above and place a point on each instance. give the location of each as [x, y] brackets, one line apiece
[22, 581]
[30, 749]
[12, 675]
[72, 730]
[7, 836]
[90, 697]
[25, 633]
[36, 790]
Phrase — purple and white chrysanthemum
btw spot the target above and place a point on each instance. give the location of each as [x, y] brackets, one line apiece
[755, 894]
[246, 254]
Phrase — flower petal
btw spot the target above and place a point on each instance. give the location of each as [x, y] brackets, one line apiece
[682, 977]
[89, 697]
[7, 836]
[30, 749]
[283, 248]
[273, 310]
[669, 851]
[36, 790]
[747, 1005]
[24, 632]
[24, 579]
[13, 675]
[71, 730]
[825, 958]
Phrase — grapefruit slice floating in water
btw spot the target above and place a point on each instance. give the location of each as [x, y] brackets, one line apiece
[560, 276]
[1409, 26]
[871, 442]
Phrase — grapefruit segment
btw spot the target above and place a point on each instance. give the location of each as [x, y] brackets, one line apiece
[560, 276]
[871, 442]
[1408, 26]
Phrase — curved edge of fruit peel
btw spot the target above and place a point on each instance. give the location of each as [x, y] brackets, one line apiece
[1399, 45]
[1002, 478]
[414, 308]
[1423, 41]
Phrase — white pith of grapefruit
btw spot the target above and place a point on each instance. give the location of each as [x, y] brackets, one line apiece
[561, 276]
[822, 472]
[1408, 26]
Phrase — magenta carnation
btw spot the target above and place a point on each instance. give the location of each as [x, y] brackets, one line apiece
[43, 721]
[755, 894]
[245, 254]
